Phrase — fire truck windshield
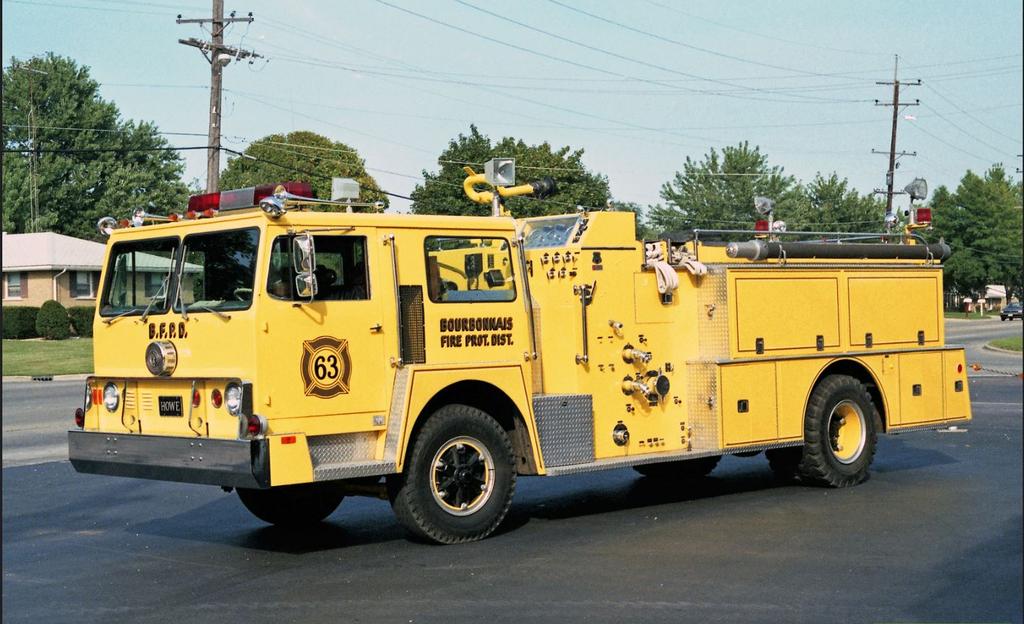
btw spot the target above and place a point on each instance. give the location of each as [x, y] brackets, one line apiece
[139, 277]
[549, 232]
[218, 271]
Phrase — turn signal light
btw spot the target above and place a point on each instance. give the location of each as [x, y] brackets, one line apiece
[196, 398]
[216, 398]
[255, 425]
[79, 418]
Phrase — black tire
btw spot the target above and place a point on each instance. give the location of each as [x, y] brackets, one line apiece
[292, 506]
[826, 461]
[784, 461]
[445, 495]
[685, 469]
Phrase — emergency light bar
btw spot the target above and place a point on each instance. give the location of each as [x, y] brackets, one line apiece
[242, 198]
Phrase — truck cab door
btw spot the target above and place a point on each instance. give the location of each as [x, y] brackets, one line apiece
[325, 355]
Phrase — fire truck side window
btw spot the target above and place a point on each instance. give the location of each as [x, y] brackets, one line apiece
[341, 270]
[461, 269]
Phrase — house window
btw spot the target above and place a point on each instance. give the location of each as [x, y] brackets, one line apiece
[153, 281]
[83, 285]
[14, 288]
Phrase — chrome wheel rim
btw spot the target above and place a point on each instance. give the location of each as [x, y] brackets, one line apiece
[847, 432]
[462, 476]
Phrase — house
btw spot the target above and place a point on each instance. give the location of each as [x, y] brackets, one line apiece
[995, 297]
[45, 265]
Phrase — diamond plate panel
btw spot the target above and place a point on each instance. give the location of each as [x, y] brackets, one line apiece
[713, 315]
[344, 448]
[702, 405]
[399, 392]
[565, 426]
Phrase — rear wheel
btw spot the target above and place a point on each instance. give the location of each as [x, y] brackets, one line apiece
[840, 433]
[292, 506]
[686, 469]
[458, 482]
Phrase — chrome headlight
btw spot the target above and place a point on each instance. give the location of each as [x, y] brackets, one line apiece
[233, 399]
[111, 397]
[161, 357]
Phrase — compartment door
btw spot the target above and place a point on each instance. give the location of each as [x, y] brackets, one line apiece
[749, 411]
[921, 387]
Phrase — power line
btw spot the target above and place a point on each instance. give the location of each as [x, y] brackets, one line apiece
[677, 42]
[948, 144]
[79, 6]
[762, 35]
[77, 150]
[969, 115]
[971, 135]
[621, 56]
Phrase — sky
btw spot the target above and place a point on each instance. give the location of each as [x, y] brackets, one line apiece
[638, 85]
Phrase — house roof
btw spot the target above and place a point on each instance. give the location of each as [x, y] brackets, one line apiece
[42, 251]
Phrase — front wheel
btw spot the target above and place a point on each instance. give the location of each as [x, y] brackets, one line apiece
[292, 506]
[840, 433]
[458, 482]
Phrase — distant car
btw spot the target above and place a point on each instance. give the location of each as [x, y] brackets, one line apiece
[1012, 311]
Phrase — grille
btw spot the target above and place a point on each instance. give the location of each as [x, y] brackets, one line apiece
[414, 345]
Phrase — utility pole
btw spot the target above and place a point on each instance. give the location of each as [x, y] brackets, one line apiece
[218, 55]
[33, 157]
[890, 174]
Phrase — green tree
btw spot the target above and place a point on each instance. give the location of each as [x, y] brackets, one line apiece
[832, 206]
[305, 156]
[441, 192]
[110, 169]
[719, 191]
[982, 222]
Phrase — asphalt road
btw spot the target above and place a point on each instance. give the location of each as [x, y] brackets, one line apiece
[934, 535]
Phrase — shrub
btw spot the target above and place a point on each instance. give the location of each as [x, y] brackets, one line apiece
[20, 321]
[81, 319]
[53, 322]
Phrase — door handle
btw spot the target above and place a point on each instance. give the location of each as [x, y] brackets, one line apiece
[375, 328]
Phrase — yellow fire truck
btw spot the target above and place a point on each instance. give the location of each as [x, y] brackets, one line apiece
[299, 355]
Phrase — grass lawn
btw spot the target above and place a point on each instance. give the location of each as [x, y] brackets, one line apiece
[47, 357]
[973, 316]
[1012, 344]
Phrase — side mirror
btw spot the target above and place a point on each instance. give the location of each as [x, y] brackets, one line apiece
[304, 262]
[305, 285]
[303, 254]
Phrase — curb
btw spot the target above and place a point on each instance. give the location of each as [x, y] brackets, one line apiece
[42, 378]
[989, 347]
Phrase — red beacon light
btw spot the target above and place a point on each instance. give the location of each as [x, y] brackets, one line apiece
[208, 204]
[923, 215]
[761, 225]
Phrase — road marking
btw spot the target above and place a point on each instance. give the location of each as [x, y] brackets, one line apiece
[35, 455]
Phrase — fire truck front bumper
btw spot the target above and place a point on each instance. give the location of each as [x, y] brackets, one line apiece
[229, 463]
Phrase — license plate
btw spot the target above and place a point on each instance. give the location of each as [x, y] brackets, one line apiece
[170, 405]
